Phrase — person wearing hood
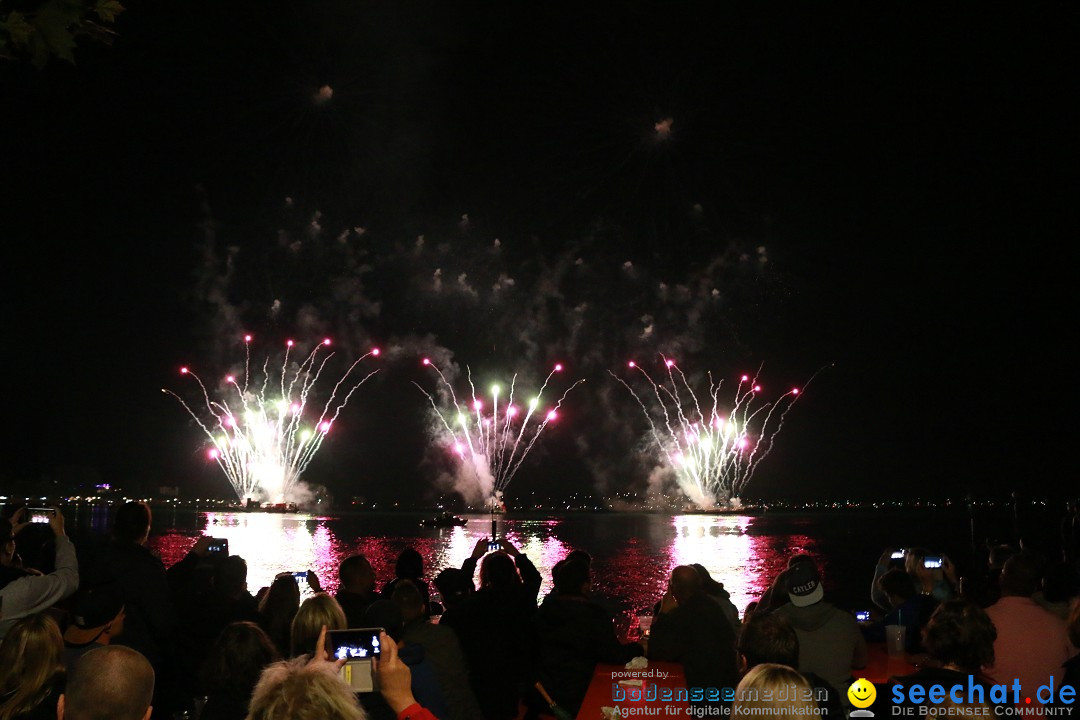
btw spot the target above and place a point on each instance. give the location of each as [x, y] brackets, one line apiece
[574, 634]
[715, 590]
[830, 642]
[692, 629]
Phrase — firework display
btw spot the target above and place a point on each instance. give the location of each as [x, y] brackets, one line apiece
[264, 431]
[712, 445]
[492, 440]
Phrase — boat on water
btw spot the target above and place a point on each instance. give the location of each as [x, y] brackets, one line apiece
[443, 520]
[282, 507]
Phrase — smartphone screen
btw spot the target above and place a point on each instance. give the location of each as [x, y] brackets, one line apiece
[862, 615]
[354, 644]
[300, 574]
[40, 515]
[218, 547]
[493, 546]
[898, 555]
[932, 561]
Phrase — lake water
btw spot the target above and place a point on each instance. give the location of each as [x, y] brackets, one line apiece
[633, 553]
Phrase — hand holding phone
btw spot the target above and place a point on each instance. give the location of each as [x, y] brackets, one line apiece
[932, 562]
[300, 575]
[862, 615]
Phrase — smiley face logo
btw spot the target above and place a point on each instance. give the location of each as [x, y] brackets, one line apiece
[862, 693]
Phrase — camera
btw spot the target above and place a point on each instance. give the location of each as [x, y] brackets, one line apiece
[862, 615]
[40, 515]
[932, 562]
[356, 646]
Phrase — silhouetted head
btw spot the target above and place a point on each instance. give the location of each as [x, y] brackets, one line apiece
[132, 523]
[298, 690]
[454, 584]
[356, 575]
[768, 639]
[387, 615]
[498, 571]
[237, 658]
[315, 612]
[408, 598]
[580, 556]
[960, 633]
[112, 682]
[230, 576]
[685, 583]
[409, 565]
[571, 578]
[1020, 576]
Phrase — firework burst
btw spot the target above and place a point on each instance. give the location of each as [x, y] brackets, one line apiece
[492, 439]
[264, 431]
[713, 445]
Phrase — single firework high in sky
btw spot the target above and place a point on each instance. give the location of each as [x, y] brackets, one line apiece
[264, 431]
[712, 447]
[491, 437]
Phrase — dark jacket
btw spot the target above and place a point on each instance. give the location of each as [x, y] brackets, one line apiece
[573, 635]
[425, 688]
[149, 616]
[495, 628]
[697, 634]
[443, 651]
[354, 605]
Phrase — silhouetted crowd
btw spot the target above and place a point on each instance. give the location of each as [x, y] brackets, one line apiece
[109, 632]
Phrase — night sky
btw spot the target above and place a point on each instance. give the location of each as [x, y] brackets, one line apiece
[905, 169]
